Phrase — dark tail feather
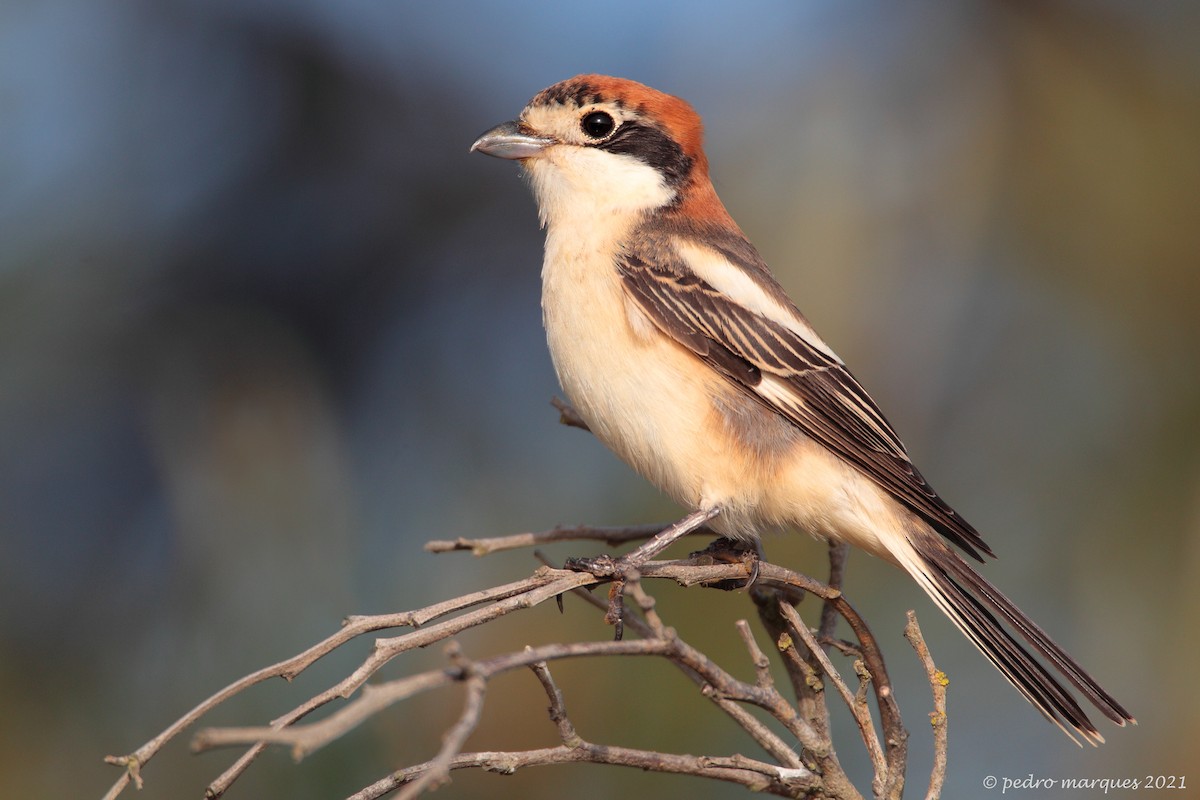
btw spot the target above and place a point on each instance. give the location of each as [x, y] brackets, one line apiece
[969, 600]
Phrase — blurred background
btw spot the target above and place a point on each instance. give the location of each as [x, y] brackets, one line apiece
[267, 327]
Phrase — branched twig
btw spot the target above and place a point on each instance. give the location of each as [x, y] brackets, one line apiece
[290, 668]
[860, 710]
[786, 780]
[756, 776]
[501, 600]
[304, 739]
[895, 736]
[452, 742]
[804, 766]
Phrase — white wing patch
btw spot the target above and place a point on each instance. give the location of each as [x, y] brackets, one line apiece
[740, 287]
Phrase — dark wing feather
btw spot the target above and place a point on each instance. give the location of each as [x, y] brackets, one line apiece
[822, 398]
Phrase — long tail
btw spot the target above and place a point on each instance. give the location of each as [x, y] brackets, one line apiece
[972, 604]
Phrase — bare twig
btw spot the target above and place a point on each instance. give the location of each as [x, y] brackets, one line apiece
[503, 600]
[753, 775]
[860, 710]
[838, 552]
[786, 780]
[291, 667]
[304, 739]
[814, 769]
[895, 736]
[611, 536]
[452, 743]
[937, 719]
[766, 738]
[813, 772]
[558, 705]
[542, 585]
[762, 664]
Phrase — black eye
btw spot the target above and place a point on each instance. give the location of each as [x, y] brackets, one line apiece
[598, 124]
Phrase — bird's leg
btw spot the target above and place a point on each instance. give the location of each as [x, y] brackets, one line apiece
[629, 563]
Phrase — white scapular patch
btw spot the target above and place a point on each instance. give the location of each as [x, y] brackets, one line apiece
[742, 288]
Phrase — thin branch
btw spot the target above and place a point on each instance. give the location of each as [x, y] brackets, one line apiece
[860, 710]
[759, 776]
[304, 739]
[937, 719]
[611, 536]
[288, 669]
[787, 777]
[838, 552]
[806, 682]
[764, 736]
[895, 736]
[726, 692]
[813, 772]
[452, 743]
[558, 705]
[756, 776]
[646, 605]
[542, 585]
[767, 739]
[762, 664]
[720, 686]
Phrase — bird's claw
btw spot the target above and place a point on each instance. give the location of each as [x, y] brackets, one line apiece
[733, 551]
[606, 566]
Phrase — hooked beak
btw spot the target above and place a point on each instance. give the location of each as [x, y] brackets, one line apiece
[507, 141]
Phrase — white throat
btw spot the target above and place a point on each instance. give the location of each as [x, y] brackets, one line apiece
[575, 185]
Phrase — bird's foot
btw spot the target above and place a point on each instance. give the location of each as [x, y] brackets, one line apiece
[625, 568]
[732, 551]
[621, 571]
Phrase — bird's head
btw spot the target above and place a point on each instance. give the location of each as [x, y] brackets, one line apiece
[595, 144]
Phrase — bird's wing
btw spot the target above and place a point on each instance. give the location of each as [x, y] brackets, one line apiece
[723, 305]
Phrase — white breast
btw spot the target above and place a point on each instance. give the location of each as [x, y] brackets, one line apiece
[638, 391]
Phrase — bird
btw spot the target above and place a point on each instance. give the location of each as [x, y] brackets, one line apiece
[684, 355]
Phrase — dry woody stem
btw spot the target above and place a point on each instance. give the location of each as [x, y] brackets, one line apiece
[797, 757]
